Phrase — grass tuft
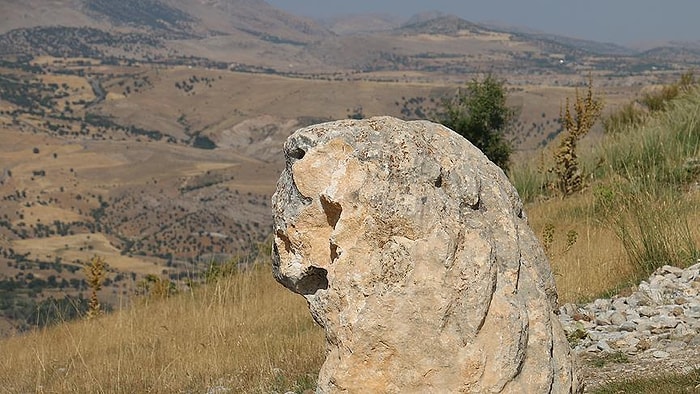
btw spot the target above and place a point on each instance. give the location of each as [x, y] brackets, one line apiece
[675, 383]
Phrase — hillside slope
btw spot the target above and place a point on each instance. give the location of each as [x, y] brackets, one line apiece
[201, 17]
[249, 334]
[163, 30]
[244, 333]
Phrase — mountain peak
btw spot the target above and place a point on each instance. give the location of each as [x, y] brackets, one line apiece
[439, 24]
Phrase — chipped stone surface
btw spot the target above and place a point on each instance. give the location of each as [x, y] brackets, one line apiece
[414, 254]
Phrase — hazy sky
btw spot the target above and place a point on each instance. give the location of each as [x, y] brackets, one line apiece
[618, 21]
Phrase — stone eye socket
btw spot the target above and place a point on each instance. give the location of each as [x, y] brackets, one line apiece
[314, 279]
[438, 181]
[332, 210]
[297, 153]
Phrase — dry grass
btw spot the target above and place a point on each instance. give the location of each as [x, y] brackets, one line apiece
[598, 264]
[594, 264]
[672, 383]
[49, 214]
[245, 333]
[80, 247]
[637, 212]
[77, 173]
[160, 106]
[78, 88]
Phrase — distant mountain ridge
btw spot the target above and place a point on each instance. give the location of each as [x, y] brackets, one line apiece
[152, 14]
[672, 53]
[182, 16]
[361, 23]
[442, 24]
[253, 35]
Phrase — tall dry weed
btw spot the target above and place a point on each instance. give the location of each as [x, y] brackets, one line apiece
[577, 120]
[95, 274]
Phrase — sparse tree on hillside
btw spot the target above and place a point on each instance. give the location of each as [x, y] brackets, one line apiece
[479, 113]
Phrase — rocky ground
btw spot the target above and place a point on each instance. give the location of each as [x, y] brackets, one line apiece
[655, 329]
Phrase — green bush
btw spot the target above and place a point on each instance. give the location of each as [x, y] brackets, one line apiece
[479, 114]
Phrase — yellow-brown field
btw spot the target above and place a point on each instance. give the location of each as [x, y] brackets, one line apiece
[80, 247]
[245, 334]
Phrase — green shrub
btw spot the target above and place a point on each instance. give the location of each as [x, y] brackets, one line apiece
[479, 114]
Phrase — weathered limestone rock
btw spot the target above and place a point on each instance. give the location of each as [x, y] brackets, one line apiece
[414, 254]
